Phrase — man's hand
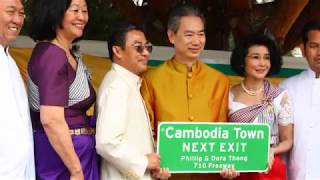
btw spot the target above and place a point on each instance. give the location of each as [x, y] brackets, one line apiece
[162, 173]
[153, 161]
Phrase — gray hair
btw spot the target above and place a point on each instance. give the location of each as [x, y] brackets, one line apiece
[180, 11]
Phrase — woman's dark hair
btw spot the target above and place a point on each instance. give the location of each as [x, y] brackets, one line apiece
[47, 17]
[118, 35]
[239, 53]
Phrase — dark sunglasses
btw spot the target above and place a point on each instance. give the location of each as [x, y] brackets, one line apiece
[140, 48]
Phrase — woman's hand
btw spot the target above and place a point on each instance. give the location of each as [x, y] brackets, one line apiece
[229, 173]
[271, 160]
[77, 175]
[55, 126]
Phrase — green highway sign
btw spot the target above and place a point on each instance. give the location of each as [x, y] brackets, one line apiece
[210, 147]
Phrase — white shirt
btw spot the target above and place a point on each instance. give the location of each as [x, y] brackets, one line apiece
[124, 135]
[16, 140]
[304, 161]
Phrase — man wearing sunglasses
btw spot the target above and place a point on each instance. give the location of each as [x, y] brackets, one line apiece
[123, 134]
[183, 88]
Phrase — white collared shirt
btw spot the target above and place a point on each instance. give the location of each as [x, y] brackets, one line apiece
[304, 160]
[124, 135]
[16, 140]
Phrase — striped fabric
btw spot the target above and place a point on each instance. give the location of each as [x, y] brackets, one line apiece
[249, 114]
[78, 91]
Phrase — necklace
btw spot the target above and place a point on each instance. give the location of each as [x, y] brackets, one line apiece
[250, 92]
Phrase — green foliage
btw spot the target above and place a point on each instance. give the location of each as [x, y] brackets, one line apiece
[102, 16]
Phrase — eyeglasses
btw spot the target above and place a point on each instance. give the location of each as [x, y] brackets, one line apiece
[140, 47]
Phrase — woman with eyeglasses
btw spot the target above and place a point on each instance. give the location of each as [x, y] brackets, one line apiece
[256, 100]
[60, 93]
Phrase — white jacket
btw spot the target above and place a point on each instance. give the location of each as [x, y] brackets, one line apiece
[124, 134]
[16, 140]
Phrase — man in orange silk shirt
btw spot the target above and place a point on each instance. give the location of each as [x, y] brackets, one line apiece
[183, 89]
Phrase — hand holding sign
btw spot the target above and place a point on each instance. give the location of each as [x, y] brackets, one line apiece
[153, 161]
[211, 147]
[161, 173]
[229, 173]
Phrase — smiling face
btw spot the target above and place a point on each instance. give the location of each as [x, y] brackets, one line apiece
[189, 40]
[75, 19]
[11, 20]
[130, 56]
[257, 62]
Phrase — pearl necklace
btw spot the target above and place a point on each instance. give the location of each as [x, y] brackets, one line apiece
[249, 92]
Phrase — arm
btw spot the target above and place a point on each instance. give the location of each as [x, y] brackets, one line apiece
[223, 114]
[56, 128]
[285, 125]
[148, 97]
[51, 76]
[286, 136]
[285, 119]
[111, 127]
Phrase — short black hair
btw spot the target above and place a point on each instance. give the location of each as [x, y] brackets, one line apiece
[311, 25]
[239, 53]
[47, 17]
[182, 10]
[119, 33]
